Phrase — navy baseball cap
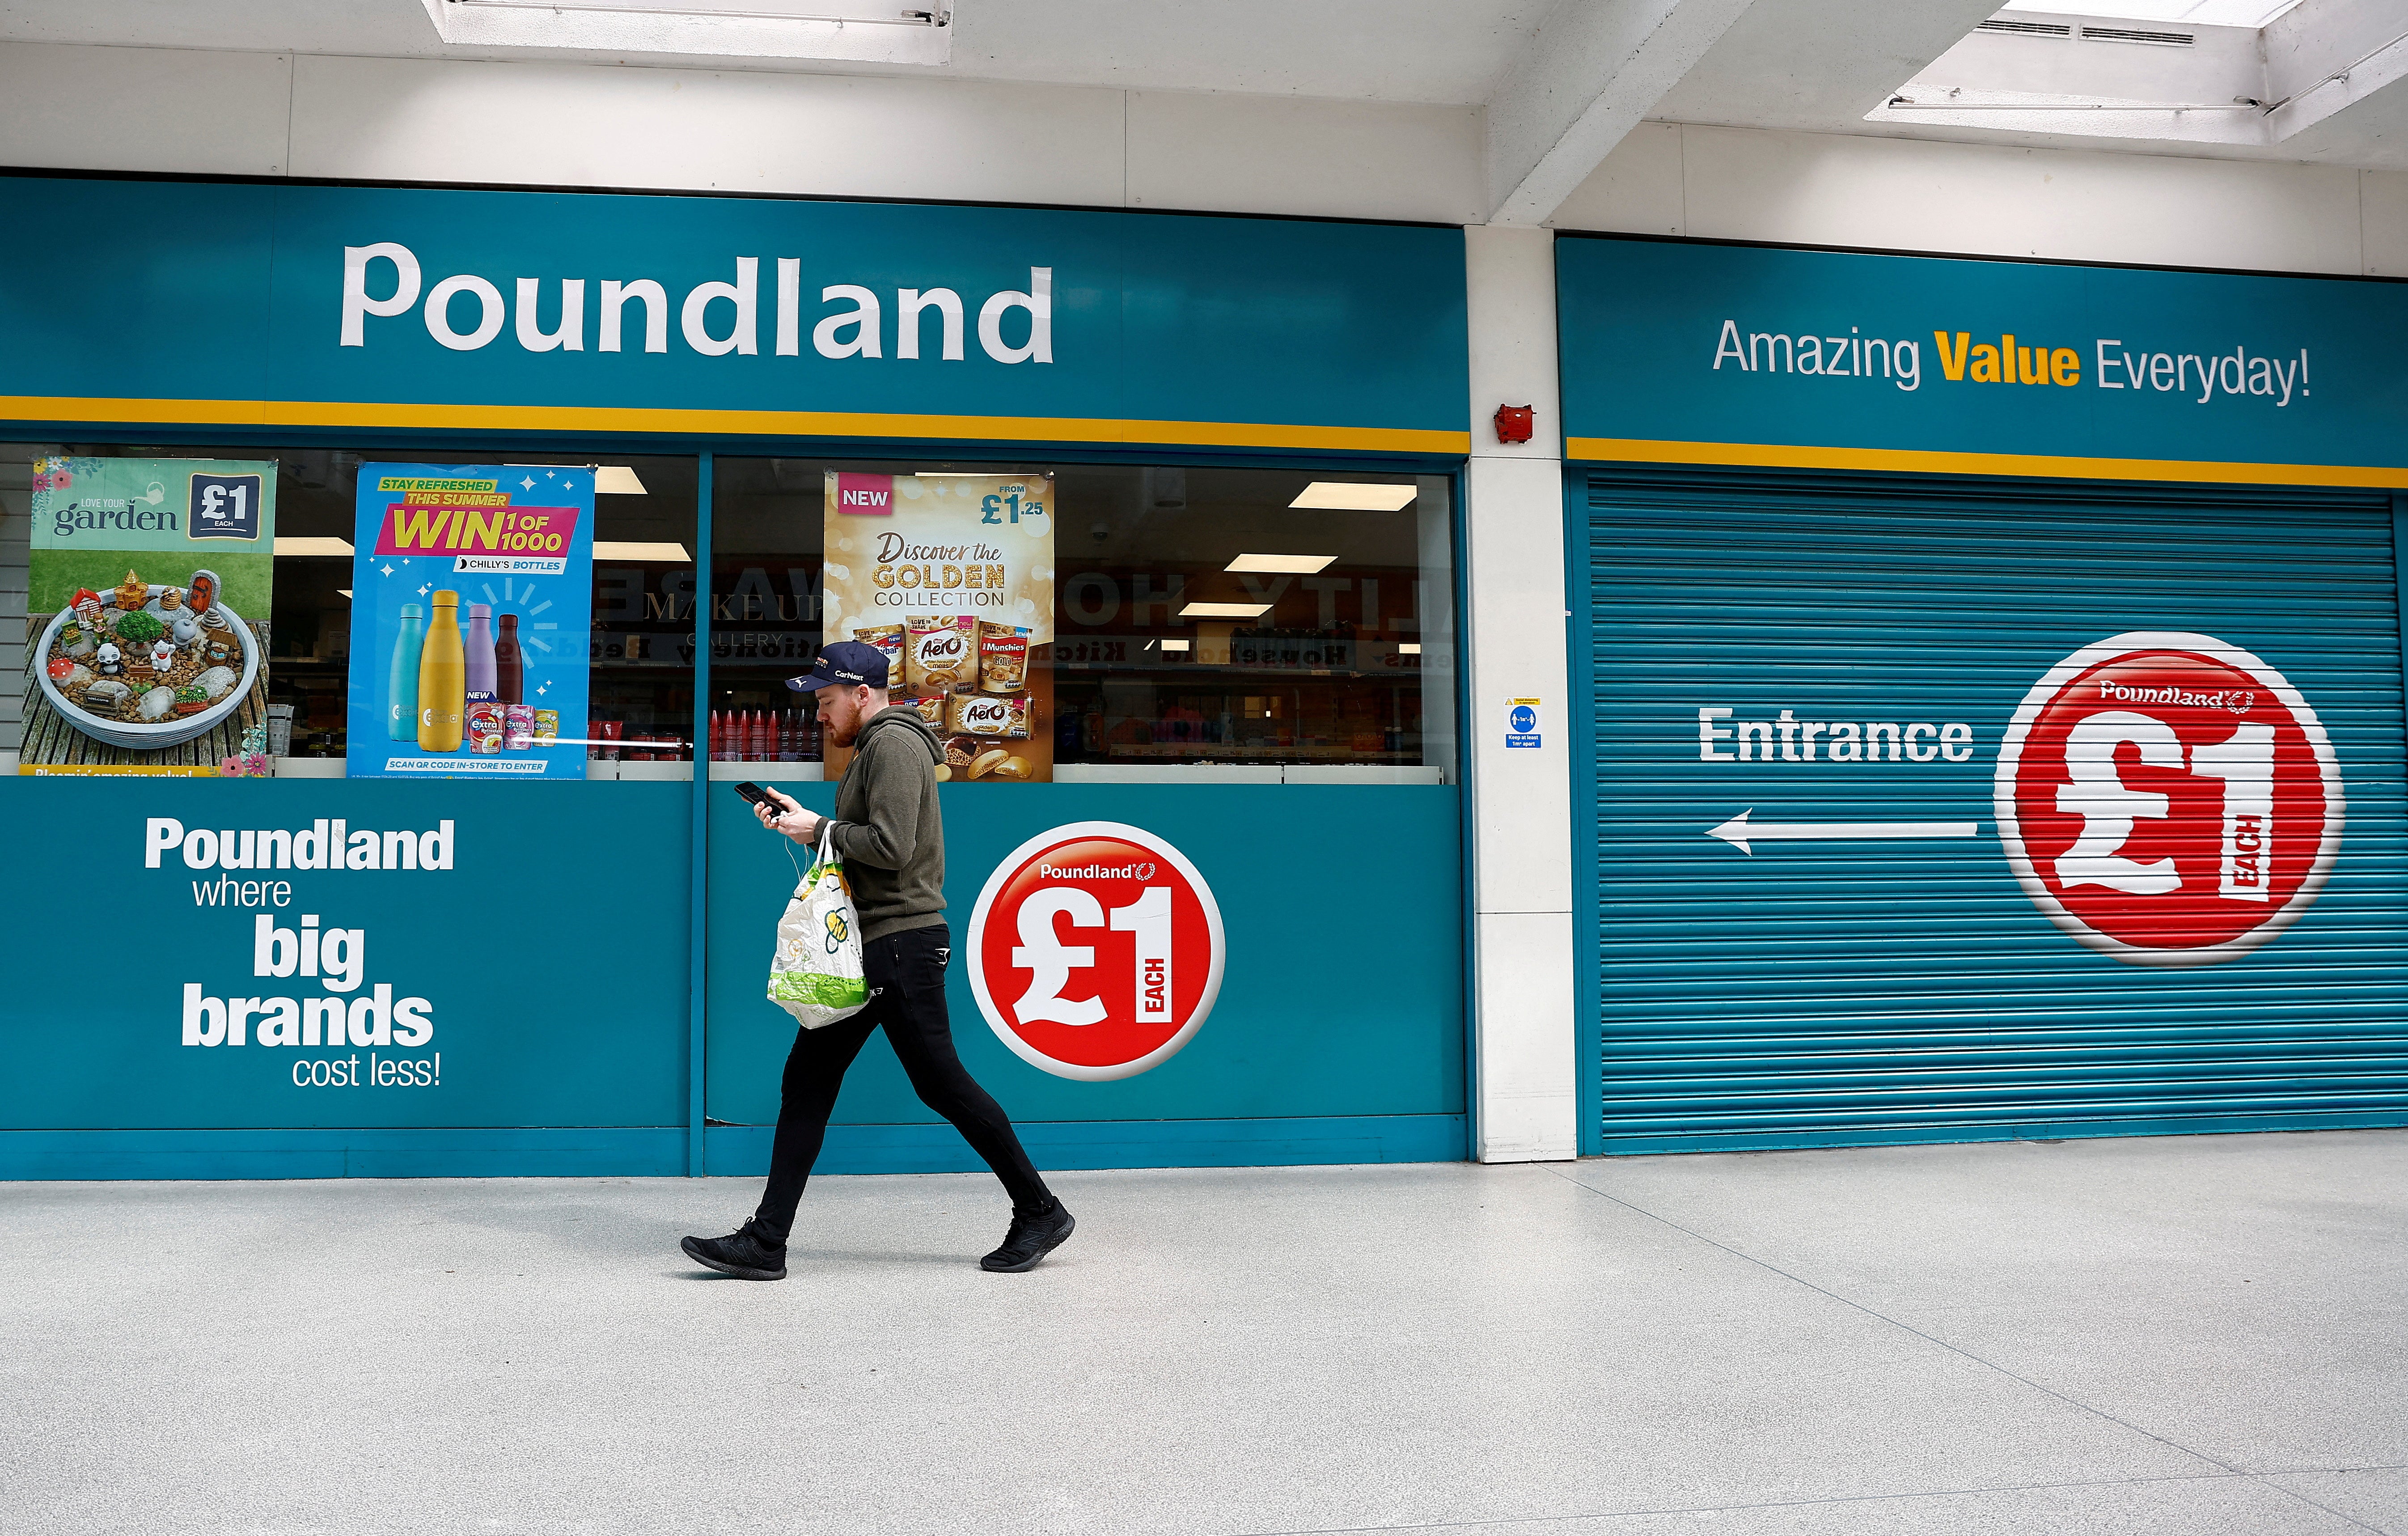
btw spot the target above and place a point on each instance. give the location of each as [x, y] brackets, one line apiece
[845, 664]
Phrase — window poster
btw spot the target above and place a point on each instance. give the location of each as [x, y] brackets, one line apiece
[147, 609]
[472, 604]
[952, 576]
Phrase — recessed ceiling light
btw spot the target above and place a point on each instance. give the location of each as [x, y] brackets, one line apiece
[1338, 496]
[1175, 645]
[1288, 564]
[346, 592]
[2229, 13]
[626, 549]
[1224, 611]
[610, 480]
[310, 548]
[858, 31]
[1410, 648]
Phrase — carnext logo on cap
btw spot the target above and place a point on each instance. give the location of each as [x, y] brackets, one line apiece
[862, 496]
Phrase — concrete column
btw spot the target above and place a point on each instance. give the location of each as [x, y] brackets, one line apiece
[1526, 1084]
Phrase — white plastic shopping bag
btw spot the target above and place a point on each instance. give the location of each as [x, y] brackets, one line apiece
[815, 973]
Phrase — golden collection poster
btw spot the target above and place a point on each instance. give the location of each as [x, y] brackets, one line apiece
[952, 576]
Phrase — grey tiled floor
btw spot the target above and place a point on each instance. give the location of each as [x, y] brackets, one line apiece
[2183, 1336]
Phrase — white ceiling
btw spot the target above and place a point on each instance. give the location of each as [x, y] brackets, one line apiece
[1443, 52]
[1817, 65]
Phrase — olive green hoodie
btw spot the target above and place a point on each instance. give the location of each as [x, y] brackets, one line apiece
[889, 830]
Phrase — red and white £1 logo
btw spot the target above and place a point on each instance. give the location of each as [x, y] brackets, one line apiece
[2167, 799]
[1095, 950]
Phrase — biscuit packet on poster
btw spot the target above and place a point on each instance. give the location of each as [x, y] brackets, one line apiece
[987, 714]
[930, 707]
[940, 653]
[1003, 657]
[887, 639]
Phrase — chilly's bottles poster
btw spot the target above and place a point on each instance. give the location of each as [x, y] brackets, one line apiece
[476, 584]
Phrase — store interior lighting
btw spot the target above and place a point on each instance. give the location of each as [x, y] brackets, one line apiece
[1224, 611]
[632, 549]
[854, 31]
[308, 548]
[1338, 496]
[610, 480]
[1280, 564]
[346, 592]
[1175, 645]
[1410, 648]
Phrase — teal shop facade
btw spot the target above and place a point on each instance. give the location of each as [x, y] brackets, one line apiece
[586, 959]
[1900, 815]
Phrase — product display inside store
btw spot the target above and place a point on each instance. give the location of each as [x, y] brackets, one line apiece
[1195, 617]
[1085, 622]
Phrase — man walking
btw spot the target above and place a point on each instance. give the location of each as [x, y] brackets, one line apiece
[889, 832]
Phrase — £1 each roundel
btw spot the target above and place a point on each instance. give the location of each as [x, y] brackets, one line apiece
[1095, 950]
[2167, 799]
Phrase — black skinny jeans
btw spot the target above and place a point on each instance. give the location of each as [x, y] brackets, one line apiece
[906, 978]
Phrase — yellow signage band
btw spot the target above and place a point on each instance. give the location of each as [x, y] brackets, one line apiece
[1936, 461]
[762, 423]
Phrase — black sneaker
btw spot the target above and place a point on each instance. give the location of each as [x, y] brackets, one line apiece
[740, 1254]
[1033, 1235]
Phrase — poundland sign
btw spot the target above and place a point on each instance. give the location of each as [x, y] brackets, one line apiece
[425, 308]
[1815, 359]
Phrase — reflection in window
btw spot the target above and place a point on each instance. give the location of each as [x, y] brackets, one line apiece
[1202, 616]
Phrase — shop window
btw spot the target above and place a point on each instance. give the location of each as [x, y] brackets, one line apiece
[638, 670]
[1189, 623]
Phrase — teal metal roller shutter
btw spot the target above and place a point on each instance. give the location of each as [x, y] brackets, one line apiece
[1798, 945]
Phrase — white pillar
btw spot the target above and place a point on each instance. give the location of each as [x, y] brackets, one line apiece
[1526, 1084]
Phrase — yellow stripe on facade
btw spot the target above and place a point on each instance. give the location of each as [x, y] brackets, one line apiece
[765, 423]
[1929, 461]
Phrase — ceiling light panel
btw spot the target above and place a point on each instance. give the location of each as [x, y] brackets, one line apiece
[1280, 564]
[2202, 13]
[1338, 496]
[849, 31]
[311, 547]
[629, 549]
[617, 480]
[1224, 611]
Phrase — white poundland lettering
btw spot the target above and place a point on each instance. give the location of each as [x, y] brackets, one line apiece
[322, 845]
[1739, 832]
[854, 329]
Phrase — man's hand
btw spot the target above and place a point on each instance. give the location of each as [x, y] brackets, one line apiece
[790, 818]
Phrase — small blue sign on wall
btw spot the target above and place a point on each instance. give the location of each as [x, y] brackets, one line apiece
[1522, 723]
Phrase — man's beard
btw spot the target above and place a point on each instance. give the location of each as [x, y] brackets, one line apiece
[843, 736]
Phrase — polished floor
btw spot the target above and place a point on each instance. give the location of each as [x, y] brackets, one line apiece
[2178, 1336]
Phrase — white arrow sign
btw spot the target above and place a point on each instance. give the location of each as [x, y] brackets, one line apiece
[1738, 833]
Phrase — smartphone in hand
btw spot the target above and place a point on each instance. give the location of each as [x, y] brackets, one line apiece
[758, 796]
